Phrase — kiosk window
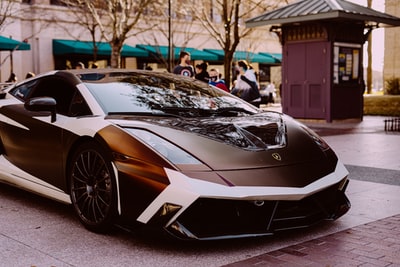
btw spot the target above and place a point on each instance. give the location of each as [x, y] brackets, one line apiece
[346, 64]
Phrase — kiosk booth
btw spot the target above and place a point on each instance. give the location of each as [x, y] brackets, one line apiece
[322, 56]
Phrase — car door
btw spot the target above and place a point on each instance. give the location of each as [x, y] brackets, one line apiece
[30, 140]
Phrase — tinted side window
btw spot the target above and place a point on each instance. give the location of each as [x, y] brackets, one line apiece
[78, 106]
[57, 88]
[23, 91]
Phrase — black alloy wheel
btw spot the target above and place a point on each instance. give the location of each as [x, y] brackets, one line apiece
[93, 188]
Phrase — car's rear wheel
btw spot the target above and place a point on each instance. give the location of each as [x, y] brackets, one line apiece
[93, 187]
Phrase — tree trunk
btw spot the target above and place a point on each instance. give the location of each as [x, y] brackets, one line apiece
[369, 51]
[116, 55]
[369, 67]
[228, 60]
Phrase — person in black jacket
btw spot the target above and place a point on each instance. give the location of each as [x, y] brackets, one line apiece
[202, 73]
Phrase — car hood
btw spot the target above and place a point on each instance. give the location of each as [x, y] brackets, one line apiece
[252, 133]
[236, 143]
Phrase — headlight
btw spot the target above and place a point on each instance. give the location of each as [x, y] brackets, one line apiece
[173, 153]
[317, 139]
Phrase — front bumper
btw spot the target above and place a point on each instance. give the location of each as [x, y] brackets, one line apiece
[194, 209]
[219, 219]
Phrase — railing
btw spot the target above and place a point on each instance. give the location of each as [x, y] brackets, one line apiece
[392, 125]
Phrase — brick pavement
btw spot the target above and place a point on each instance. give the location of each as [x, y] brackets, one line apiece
[376, 243]
[373, 244]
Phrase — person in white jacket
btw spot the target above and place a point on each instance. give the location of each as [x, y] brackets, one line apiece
[246, 86]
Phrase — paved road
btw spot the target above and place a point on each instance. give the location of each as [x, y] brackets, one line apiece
[37, 232]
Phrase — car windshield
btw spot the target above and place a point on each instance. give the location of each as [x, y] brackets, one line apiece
[159, 93]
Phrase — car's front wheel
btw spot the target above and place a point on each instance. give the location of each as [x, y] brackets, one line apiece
[93, 187]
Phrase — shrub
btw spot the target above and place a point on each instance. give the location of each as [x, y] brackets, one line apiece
[383, 105]
[392, 86]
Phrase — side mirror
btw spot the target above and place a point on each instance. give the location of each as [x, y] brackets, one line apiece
[42, 104]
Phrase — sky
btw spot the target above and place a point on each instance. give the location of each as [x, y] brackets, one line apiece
[378, 37]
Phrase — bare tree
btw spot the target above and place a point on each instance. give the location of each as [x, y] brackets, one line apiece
[6, 10]
[117, 20]
[224, 20]
[173, 19]
[83, 17]
[11, 10]
[369, 51]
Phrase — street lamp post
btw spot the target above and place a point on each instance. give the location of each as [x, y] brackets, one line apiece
[170, 48]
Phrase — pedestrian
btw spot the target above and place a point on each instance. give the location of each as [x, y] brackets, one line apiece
[79, 65]
[29, 75]
[201, 72]
[184, 68]
[271, 91]
[215, 80]
[246, 86]
[12, 78]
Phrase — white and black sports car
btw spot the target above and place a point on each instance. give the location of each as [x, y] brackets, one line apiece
[168, 151]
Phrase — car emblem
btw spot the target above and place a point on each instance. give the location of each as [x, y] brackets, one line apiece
[276, 156]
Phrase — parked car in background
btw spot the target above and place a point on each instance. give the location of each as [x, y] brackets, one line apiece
[164, 150]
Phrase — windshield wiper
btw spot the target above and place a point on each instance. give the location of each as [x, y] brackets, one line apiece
[200, 112]
[231, 111]
[184, 111]
[145, 113]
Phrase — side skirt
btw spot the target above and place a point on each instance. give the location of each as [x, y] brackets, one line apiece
[14, 176]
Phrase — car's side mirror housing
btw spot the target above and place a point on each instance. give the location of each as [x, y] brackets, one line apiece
[42, 104]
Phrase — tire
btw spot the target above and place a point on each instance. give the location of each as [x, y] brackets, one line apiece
[92, 187]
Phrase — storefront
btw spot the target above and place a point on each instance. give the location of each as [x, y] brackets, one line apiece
[68, 52]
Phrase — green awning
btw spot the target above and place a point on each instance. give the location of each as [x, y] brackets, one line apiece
[195, 54]
[276, 56]
[10, 44]
[248, 56]
[131, 51]
[63, 47]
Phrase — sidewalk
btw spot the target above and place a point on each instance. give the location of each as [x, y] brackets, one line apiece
[373, 223]
[372, 244]
[37, 232]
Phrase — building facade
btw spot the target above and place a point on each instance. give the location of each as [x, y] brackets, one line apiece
[391, 67]
[41, 22]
